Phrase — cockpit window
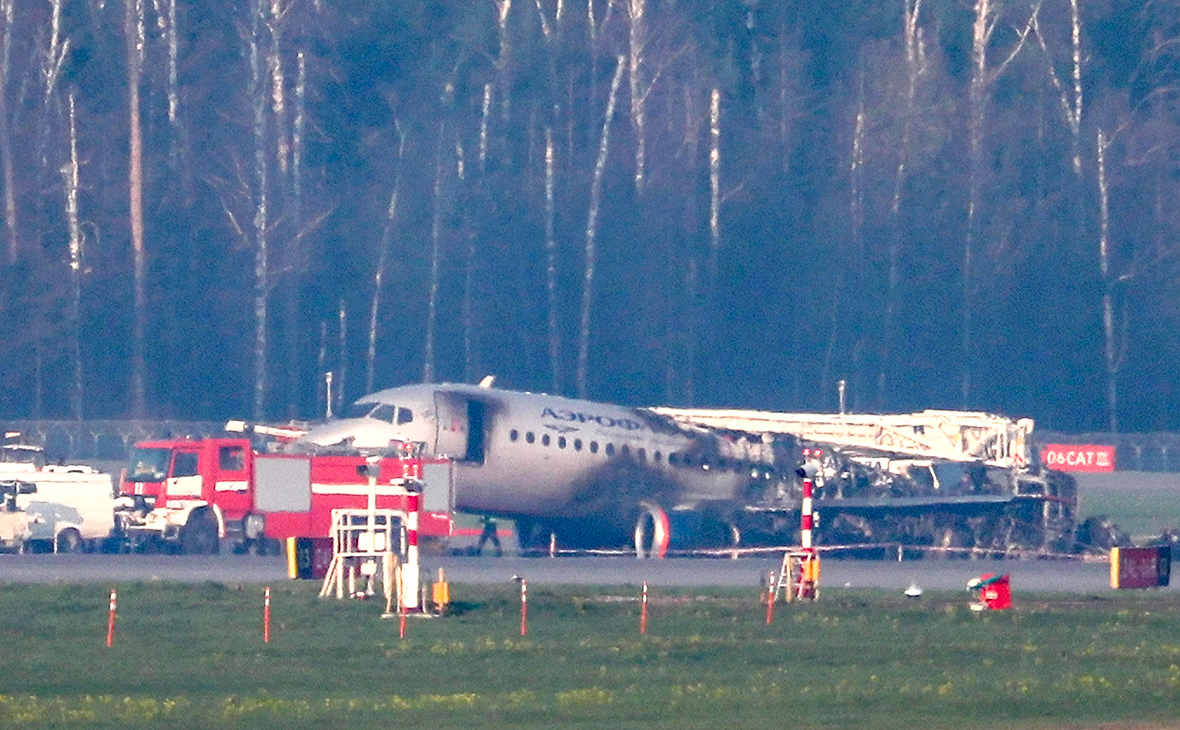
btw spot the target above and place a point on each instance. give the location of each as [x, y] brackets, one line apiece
[404, 415]
[384, 413]
[360, 410]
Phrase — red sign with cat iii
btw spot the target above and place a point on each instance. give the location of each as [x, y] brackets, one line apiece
[1078, 457]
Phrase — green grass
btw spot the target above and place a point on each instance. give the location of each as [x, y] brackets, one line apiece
[192, 656]
[1143, 511]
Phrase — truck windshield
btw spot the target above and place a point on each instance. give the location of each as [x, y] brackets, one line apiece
[148, 465]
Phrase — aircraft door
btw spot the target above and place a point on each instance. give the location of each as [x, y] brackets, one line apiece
[459, 427]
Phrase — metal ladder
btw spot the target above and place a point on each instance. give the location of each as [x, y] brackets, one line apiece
[798, 577]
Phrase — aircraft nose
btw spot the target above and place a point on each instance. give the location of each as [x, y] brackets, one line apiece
[327, 435]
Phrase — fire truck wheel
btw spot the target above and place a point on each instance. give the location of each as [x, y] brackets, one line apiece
[200, 534]
[69, 540]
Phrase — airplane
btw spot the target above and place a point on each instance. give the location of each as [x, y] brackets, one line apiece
[585, 474]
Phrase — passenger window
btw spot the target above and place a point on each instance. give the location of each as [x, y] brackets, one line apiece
[625, 450]
[577, 444]
[404, 415]
[610, 449]
[231, 458]
[593, 447]
[513, 435]
[184, 464]
[384, 413]
[544, 439]
[561, 442]
[530, 437]
[657, 457]
[641, 454]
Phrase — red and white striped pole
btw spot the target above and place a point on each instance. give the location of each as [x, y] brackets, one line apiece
[770, 595]
[111, 621]
[807, 517]
[643, 611]
[524, 607]
[410, 568]
[266, 616]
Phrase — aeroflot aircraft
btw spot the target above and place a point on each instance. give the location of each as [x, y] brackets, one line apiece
[593, 474]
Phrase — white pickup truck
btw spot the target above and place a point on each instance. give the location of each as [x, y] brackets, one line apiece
[52, 508]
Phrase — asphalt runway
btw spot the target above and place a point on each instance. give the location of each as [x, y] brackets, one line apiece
[1057, 576]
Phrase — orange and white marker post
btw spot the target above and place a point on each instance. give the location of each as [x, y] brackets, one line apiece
[111, 620]
[643, 611]
[524, 608]
[266, 616]
[770, 595]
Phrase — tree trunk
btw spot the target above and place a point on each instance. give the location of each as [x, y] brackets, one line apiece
[551, 264]
[383, 258]
[133, 37]
[294, 276]
[915, 63]
[342, 352]
[591, 254]
[6, 16]
[637, 37]
[262, 246]
[435, 261]
[70, 173]
[714, 273]
[465, 203]
[856, 205]
[278, 82]
[1113, 352]
[983, 75]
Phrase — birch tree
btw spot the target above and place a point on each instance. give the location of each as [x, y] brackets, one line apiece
[133, 36]
[436, 223]
[856, 210]
[1114, 350]
[591, 251]
[262, 284]
[10, 224]
[342, 354]
[915, 65]
[636, 43]
[391, 218]
[298, 131]
[551, 265]
[983, 77]
[70, 174]
[1069, 91]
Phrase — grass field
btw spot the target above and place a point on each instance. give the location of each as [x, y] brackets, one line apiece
[1143, 504]
[192, 656]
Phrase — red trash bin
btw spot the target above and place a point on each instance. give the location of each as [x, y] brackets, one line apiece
[995, 592]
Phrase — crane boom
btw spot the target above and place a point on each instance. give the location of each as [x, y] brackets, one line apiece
[951, 435]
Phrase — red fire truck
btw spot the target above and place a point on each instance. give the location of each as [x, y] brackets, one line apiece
[191, 494]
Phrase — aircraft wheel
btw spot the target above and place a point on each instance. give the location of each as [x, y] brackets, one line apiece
[200, 535]
[69, 540]
[652, 533]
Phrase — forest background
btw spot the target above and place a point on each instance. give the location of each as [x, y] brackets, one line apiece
[946, 204]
